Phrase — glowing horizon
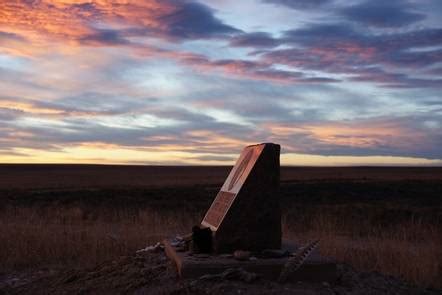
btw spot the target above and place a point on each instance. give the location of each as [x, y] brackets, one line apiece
[118, 156]
[192, 82]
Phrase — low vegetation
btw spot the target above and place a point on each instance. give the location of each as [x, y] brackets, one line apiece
[393, 227]
[409, 250]
[75, 237]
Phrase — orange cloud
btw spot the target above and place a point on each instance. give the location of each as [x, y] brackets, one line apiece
[75, 19]
[210, 138]
[28, 108]
[68, 25]
[96, 22]
[356, 134]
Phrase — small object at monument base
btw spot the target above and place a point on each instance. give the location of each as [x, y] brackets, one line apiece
[241, 255]
[314, 269]
[201, 240]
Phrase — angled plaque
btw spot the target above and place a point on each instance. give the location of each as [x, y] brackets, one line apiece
[231, 186]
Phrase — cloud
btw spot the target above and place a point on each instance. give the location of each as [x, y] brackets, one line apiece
[254, 40]
[248, 69]
[206, 158]
[94, 22]
[394, 80]
[334, 34]
[374, 136]
[201, 133]
[435, 71]
[104, 37]
[381, 58]
[331, 48]
[110, 120]
[299, 4]
[8, 114]
[192, 21]
[385, 14]
[376, 13]
[6, 37]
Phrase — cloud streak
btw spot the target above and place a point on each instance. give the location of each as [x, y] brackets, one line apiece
[383, 14]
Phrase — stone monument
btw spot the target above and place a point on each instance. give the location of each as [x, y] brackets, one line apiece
[246, 212]
[245, 217]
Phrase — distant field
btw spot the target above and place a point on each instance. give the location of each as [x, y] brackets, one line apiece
[387, 219]
[23, 176]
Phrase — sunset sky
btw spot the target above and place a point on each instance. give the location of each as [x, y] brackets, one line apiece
[335, 82]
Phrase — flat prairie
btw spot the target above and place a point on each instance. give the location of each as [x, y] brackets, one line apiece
[31, 176]
[383, 219]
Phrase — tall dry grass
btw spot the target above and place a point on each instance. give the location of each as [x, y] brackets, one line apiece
[410, 250]
[81, 237]
[74, 236]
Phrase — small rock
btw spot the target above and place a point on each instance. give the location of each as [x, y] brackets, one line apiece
[274, 253]
[201, 255]
[241, 255]
[155, 248]
[224, 256]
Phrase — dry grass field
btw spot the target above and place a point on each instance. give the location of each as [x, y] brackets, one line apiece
[383, 219]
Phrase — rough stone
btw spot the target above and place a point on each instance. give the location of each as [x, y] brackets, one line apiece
[246, 213]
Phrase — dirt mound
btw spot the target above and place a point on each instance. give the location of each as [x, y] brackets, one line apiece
[152, 273]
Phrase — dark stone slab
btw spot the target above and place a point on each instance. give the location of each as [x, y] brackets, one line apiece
[246, 214]
[191, 266]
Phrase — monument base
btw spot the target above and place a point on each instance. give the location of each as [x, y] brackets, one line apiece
[314, 269]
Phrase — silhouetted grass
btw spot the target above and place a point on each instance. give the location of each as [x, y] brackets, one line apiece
[409, 249]
[76, 237]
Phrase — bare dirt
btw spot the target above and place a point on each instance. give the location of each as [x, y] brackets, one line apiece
[152, 273]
